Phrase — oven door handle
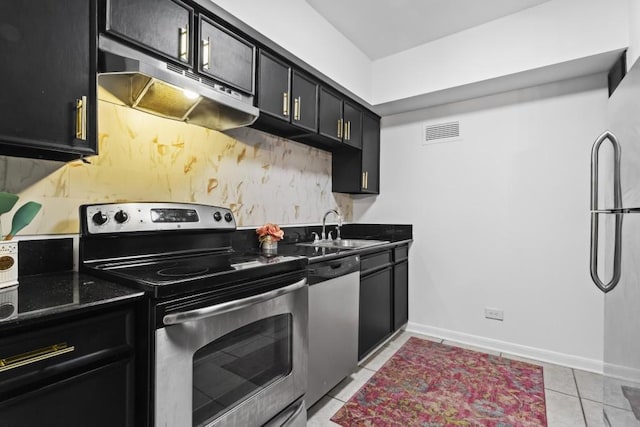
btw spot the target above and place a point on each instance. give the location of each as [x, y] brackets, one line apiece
[226, 307]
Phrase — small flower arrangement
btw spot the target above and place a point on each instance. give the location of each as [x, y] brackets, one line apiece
[269, 233]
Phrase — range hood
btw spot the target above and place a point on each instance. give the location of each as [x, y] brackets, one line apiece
[147, 84]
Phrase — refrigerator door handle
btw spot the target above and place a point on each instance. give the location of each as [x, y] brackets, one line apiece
[617, 259]
[595, 150]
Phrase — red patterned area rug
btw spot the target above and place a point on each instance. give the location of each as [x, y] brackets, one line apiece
[429, 384]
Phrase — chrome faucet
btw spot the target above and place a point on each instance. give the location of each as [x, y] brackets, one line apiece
[323, 235]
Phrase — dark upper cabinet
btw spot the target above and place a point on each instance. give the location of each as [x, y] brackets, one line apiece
[274, 81]
[47, 80]
[163, 26]
[339, 119]
[352, 127]
[370, 174]
[330, 122]
[226, 57]
[287, 98]
[358, 171]
[304, 98]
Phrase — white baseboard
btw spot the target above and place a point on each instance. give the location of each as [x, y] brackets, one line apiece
[572, 361]
[624, 373]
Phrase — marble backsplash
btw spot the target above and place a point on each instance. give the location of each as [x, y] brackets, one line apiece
[262, 178]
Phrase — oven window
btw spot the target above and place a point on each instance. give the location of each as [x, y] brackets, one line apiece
[234, 367]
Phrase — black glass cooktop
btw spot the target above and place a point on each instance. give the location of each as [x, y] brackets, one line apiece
[188, 272]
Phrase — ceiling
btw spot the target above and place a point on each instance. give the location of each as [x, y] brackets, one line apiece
[381, 28]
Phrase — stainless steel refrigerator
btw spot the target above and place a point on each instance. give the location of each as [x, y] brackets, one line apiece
[615, 250]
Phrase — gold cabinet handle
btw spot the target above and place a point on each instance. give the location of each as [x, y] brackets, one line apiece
[34, 356]
[81, 118]
[297, 108]
[184, 43]
[347, 130]
[285, 103]
[363, 180]
[339, 128]
[366, 180]
[206, 53]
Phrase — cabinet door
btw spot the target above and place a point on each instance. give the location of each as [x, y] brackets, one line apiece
[400, 294]
[304, 94]
[273, 86]
[330, 115]
[164, 26]
[370, 154]
[49, 51]
[352, 125]
[102, 397]
[226, 57]
[375, 310]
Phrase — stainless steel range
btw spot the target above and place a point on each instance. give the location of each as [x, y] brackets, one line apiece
[227, 331]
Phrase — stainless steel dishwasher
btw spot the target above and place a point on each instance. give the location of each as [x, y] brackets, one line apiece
[334, 290]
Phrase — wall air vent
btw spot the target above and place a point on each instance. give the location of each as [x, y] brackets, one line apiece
[441, 132]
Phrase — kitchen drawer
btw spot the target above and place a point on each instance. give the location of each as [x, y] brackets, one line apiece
[400, 253]
[34, 357]
[372, 262]
[97, 398]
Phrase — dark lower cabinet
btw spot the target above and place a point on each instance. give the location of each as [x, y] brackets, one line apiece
[400, 294]
[375, 310]
[47, 80]
[74, 373]
[384, 291]
[97, 398]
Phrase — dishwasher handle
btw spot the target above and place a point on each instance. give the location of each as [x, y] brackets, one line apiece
[328, 270]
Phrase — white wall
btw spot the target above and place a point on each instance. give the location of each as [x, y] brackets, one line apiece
[634, 33]
[500, 219]
[555, 32]
[551, 33]
[297, 27]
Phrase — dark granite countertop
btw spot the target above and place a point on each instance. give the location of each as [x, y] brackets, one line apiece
[46, 292]
[395, 234]
[62, 293]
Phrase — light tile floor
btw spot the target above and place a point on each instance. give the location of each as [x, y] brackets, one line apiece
[573, 397]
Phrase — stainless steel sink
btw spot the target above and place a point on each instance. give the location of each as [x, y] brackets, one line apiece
[344, 243]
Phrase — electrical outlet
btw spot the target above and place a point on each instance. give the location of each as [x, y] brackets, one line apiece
[493, 313]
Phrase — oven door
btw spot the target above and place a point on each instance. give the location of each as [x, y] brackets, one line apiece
[238, 363]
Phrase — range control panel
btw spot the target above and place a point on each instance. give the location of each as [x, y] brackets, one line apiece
[145, 216]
